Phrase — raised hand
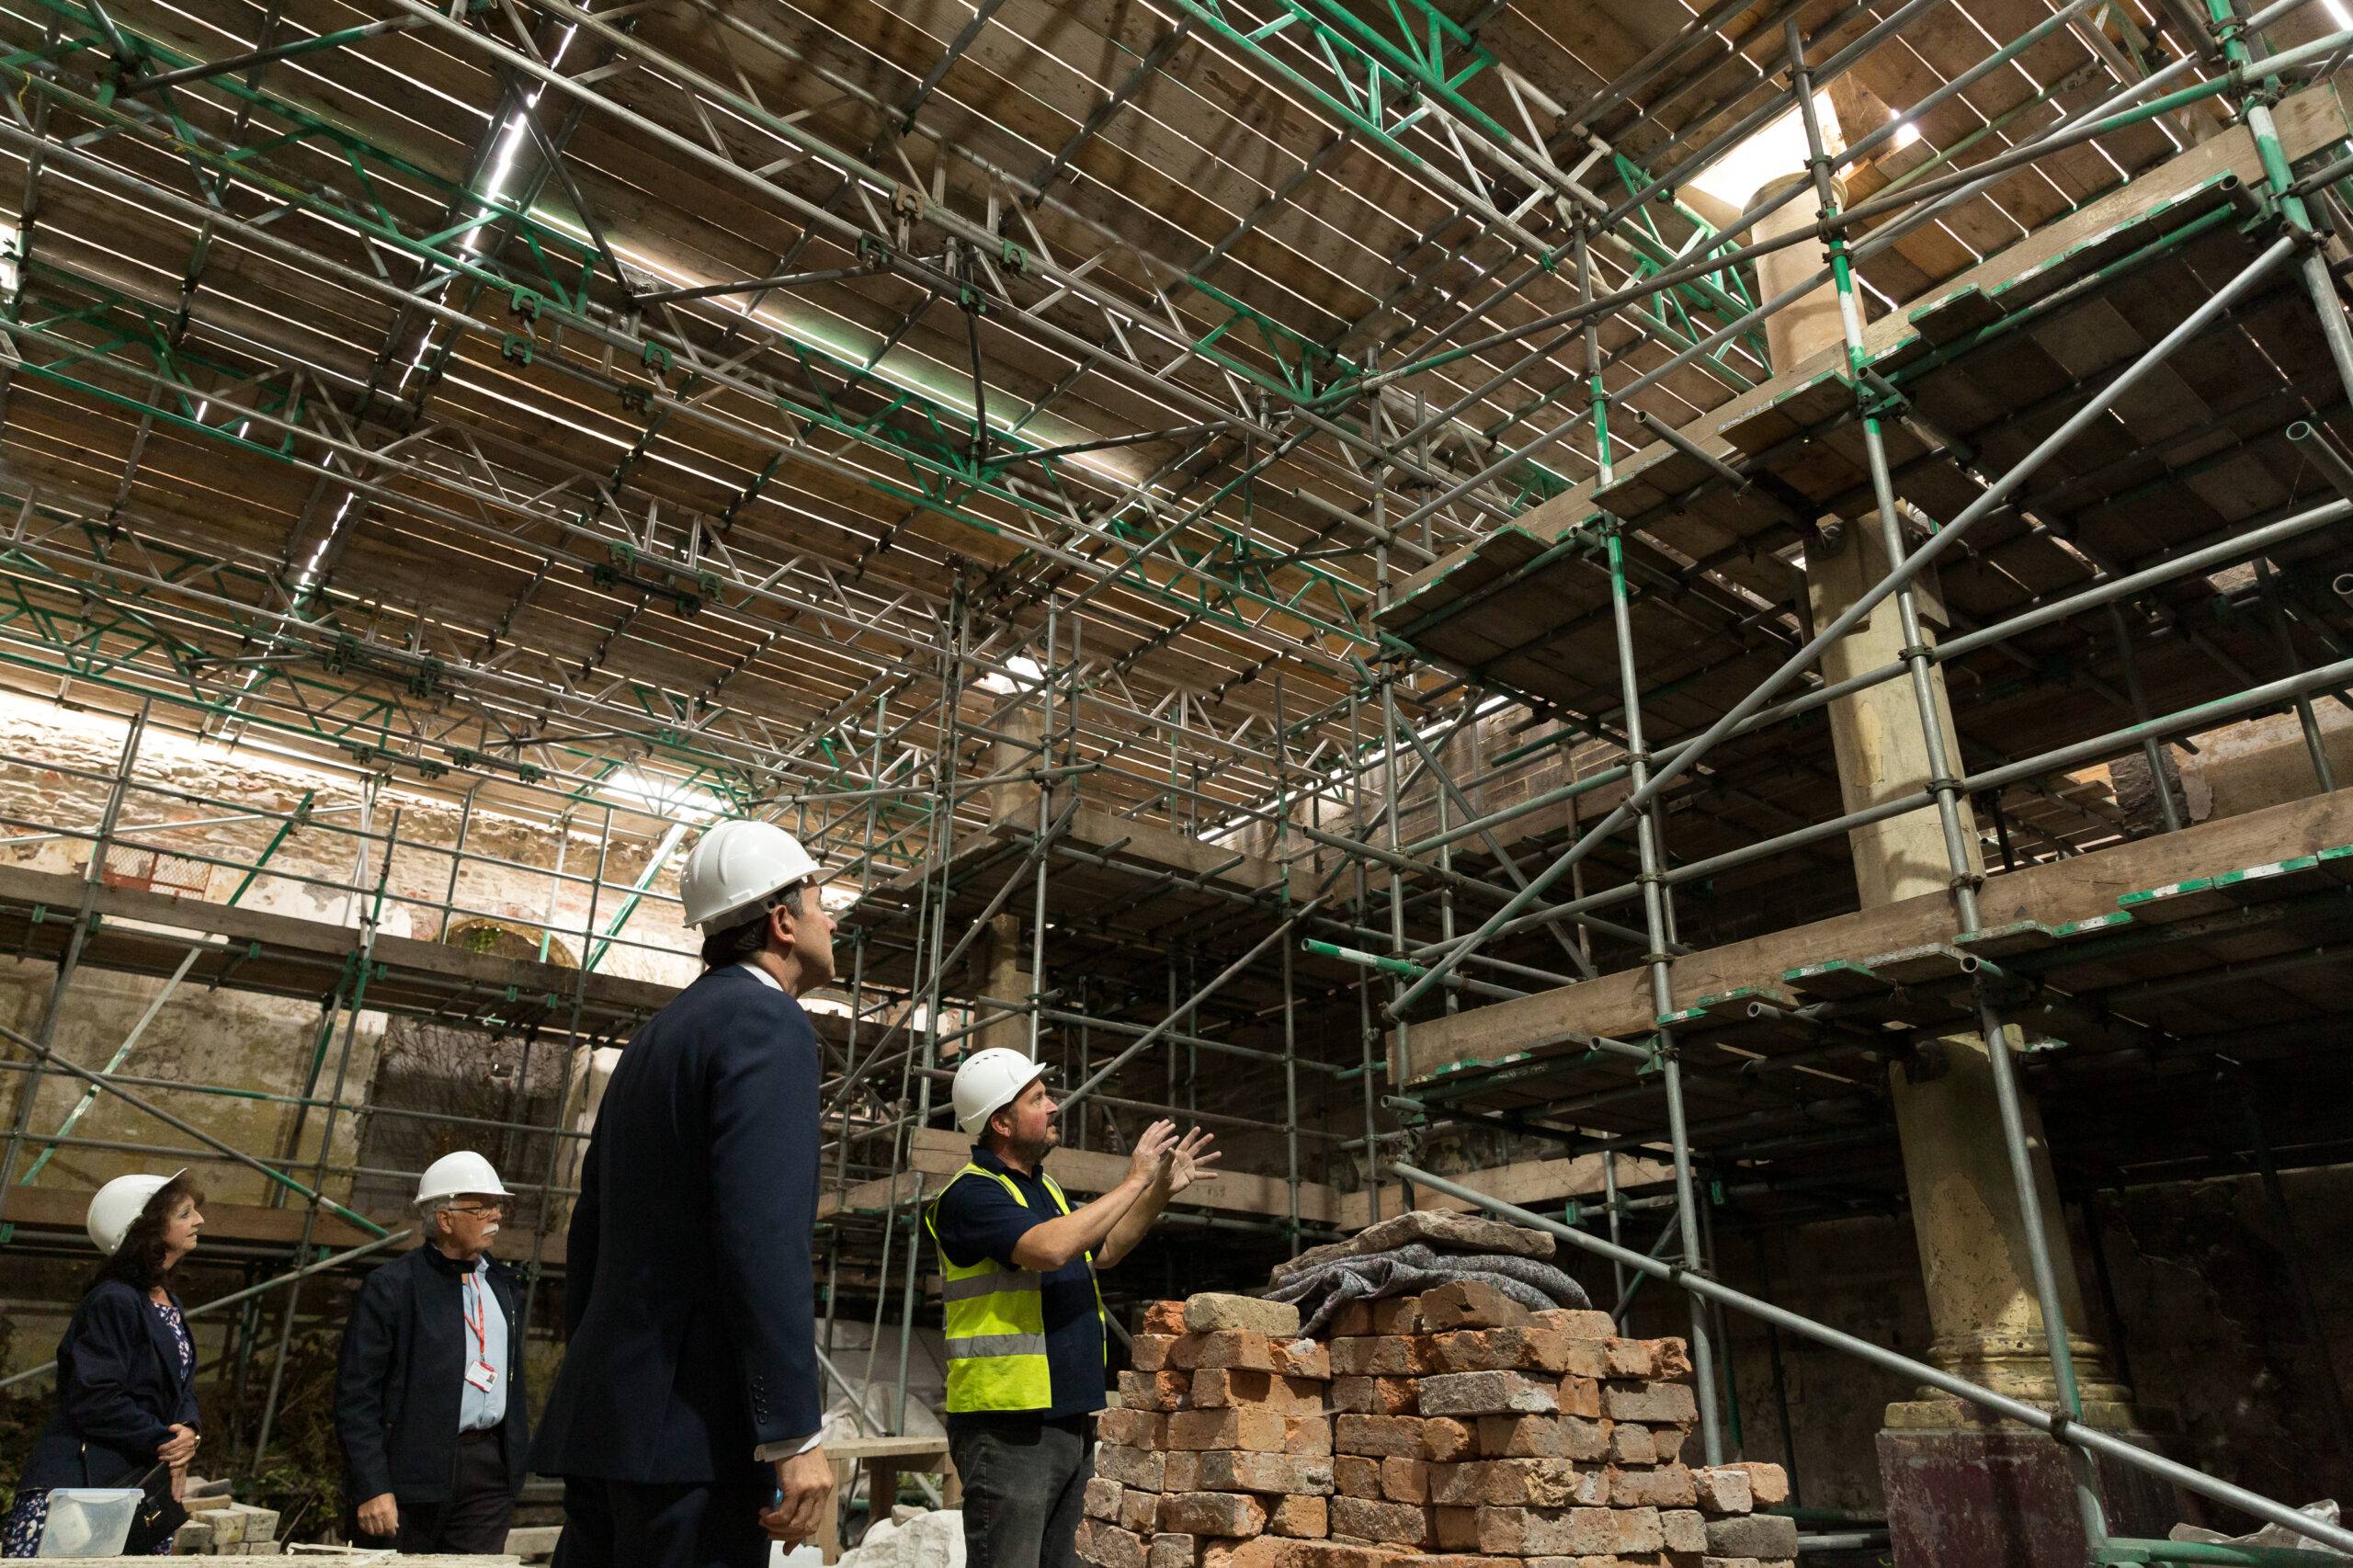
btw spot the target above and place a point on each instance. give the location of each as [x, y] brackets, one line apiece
[1152, 1152]
[1190, 1160]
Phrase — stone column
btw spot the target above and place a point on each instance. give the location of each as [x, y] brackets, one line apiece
[1941, 1463]
[1001, 972]
[1000, 958]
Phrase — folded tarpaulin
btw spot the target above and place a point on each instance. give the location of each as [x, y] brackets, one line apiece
[1325, 1289]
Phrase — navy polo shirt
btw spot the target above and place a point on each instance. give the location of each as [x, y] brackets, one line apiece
[977, 1219]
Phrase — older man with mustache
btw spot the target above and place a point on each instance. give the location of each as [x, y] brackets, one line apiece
[430, 1396]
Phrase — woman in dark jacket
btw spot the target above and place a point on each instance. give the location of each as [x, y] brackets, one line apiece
[126, 1371]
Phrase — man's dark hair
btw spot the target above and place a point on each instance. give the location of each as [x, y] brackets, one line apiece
[139, 1261]
[749, 939]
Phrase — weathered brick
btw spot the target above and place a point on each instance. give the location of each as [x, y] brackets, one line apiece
[1222, 1471]
[1129, 1467]
[1260, 1430]
[1212, 1311]
[1672, 1358]
[1405, 1481]
[1445, 1439]
[1503, 1349]
[1577, 1323]
[1140, 1512]
[1169, 1551]
[1455, 1529]
[1181, 1472]
[1309, 1518]
[1279, 1551]
[1151, 1352]
[1631, 1358]
[1638, 1529]
[1388, 1356]
[1356, 1475]
[1136, 1428]
[1656, 1486]
[1580, 1396]
[1769, 1484]
[1471, 1303]
[1228, 1514]
[1539, 1533]
[1753, 1534]
[1725, 1489]
[1712, 1562]
[1363, 1395]
[1107, 1546]
[1522, 1436]
[1395, 1524]
[1218, 1388]
[1164, 1318]
[1349, 1321]
[1489, 1393]
[1670, 1442]
[1649, 1402]
[1384, 1436]
[1301, 1358]
[1630, 1443]
[1307, 1434]
[1686, 1529]
[1232, 1348]
[1154, 1391]
[1396, 1314]
[1518, 1484]
[1101, 1498]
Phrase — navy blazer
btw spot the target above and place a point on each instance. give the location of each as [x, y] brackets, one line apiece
[689, 1292]
[119, 1393]
[402, 1374]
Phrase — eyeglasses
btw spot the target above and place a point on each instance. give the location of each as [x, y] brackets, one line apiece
[478, 1208]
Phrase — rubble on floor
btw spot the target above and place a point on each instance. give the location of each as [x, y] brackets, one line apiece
[220, 1526]
[928, 1538]
[1453, 1429]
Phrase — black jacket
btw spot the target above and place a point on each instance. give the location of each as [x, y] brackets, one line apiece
[403, 1373]
[687, 1290]
[119, 1393]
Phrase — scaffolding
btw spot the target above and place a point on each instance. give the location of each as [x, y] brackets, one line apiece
[1250, 667]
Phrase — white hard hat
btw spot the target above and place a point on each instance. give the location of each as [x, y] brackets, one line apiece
[735, 866]
[464, 1171]
[113, 1206]
[987, 1083]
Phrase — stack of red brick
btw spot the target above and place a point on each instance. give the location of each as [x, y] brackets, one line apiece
[1455, 1429]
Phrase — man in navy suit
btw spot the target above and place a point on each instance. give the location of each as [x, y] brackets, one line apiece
[684, 1420]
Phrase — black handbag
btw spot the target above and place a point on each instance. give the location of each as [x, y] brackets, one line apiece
[160, 1515]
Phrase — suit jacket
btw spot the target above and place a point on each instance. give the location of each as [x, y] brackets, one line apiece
[119, 1393]
[402, 1374]
[688, 1293]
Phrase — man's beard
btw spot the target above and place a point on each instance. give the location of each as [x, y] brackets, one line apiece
[1030, 1153]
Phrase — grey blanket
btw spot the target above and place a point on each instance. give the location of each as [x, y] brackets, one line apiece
[1325, 1289]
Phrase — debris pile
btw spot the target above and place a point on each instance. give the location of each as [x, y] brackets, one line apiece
[1457, 1428]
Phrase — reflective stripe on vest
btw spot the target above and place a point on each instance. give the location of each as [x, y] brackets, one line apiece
[996, 1319]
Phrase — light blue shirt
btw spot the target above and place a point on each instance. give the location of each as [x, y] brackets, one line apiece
[481, 1409]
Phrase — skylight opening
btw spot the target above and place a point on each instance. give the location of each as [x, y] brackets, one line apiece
[1775, 149]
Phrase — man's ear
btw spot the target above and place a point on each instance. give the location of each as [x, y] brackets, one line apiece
[782, 917]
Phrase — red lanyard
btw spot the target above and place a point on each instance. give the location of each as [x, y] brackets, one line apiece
[476, 1318]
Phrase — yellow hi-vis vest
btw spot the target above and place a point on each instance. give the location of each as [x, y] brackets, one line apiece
[996, 1318]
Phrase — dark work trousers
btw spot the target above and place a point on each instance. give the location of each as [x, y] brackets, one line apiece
[642, 1524]
[1024, 1478]
[480, 1505]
